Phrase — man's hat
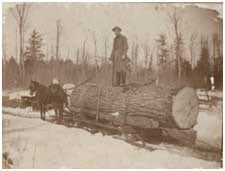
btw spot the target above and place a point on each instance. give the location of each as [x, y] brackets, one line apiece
[116, 28]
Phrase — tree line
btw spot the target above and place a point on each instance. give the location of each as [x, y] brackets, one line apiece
[67, 71]
[172, 67]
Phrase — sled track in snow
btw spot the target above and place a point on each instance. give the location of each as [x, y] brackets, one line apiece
[31, 128]
[5, 112]
[205, 154]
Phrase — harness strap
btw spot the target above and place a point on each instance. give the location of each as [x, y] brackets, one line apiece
[85, 81]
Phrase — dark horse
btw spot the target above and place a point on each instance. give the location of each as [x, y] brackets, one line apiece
[53, 95]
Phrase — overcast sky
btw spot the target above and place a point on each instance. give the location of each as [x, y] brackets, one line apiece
[141, 22]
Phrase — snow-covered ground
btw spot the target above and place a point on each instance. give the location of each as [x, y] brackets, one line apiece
[33, 143]
[26, 112]
[16, 94]
[209, 130]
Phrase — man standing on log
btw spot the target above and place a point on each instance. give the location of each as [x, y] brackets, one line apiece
[119, 58]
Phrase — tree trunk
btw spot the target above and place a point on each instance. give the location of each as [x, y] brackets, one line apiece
[21, 53]
[138, 105]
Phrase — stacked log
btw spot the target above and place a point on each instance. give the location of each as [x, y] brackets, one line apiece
[148, 106]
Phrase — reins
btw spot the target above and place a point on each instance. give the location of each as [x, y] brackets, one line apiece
[85, 81]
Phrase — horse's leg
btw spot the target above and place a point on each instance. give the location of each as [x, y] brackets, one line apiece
[44, 110]
[55, 109]
[61, 111]
[56, 112]
[41, 110]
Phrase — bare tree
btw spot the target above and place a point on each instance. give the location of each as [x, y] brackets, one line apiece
[84, 57]
[68, 53]
[84, 52]
[106, 47]
[52, 51]
[58, 35]
[95, 47]
[20, 13]
[16, 46]
[4, 62]
[217, 56]
[216, 46]
[150, 62]
[4, 47]
[132, 51]
[175, 19]
[146, 53]
[192, 45]
[77, 56]
[47, 52]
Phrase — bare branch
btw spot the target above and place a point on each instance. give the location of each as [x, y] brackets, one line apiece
[18, 10]
[28, 6]
[175, 20]
[14, 15]
[22, 12]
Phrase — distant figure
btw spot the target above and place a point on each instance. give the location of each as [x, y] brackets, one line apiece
[55, 81]
[120, 61]
[212, 83]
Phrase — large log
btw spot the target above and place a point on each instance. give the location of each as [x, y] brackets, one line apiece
[148, 106]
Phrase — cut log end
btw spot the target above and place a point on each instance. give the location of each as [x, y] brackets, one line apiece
[185, 108]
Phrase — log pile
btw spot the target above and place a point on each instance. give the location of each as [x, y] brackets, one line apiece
[147, 106]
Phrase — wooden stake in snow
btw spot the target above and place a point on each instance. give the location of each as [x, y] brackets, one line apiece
[148, 106]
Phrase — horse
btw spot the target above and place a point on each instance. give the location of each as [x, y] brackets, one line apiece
[46, 96]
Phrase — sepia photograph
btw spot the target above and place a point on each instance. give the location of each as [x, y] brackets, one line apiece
[112, 85]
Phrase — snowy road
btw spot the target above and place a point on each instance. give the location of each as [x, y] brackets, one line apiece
[32, 143]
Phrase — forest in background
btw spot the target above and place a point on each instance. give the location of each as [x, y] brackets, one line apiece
[172, 66]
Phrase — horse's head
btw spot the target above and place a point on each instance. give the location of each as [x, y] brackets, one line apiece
[33, 87]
